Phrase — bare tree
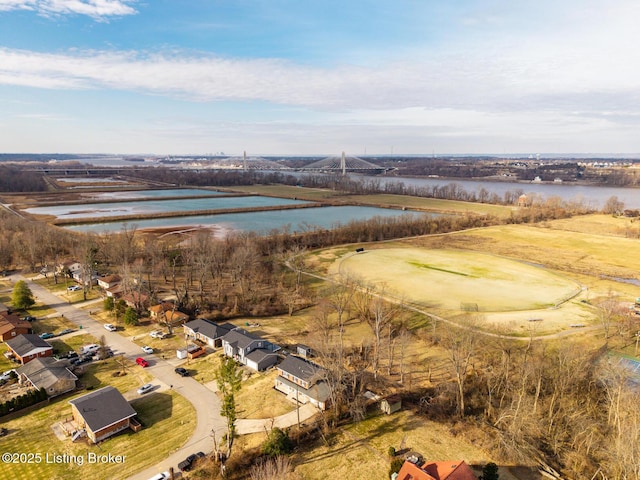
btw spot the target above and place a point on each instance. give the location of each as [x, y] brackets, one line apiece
[461, 344]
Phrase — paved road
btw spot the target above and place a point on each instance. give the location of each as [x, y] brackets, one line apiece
[204, 400]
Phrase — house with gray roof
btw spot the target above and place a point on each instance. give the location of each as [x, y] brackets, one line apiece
[301, 381]
[207, 332]
[29, 346]
[46, 372]
[250, 350]
[102, 413]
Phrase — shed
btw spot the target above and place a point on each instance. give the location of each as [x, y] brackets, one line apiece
[391, 404]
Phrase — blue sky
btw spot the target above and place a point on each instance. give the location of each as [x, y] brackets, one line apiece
[291, 77]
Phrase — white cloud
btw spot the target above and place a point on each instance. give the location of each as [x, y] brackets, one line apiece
[97, 9]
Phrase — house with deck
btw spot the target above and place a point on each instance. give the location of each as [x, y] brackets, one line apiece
[301, 381]
[103, 413]
[207, 332]
[53, 375]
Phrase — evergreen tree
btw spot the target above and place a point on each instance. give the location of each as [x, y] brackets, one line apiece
[490, 472]
[22, 297]
[229, 379]
[130, 317]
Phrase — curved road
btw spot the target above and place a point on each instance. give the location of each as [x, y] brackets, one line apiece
[203, 399]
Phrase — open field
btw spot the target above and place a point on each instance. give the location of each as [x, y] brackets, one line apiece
[360, 451]
[445, 279]
[561, 255]
[381, 200]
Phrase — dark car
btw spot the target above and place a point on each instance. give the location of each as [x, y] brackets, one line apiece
[183, 372]
[66, 330]
[187, 463]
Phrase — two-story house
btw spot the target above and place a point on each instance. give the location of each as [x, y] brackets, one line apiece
[301, 380]
[207, 332]
[252, 351]
[27, 347]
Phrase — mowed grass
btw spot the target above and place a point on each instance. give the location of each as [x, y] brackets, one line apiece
[446, 279]
[259, 399]
[168, 421]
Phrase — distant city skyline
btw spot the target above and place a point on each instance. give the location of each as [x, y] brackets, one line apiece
[283, 77]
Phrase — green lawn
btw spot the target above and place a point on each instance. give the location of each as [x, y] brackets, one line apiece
[168, 421]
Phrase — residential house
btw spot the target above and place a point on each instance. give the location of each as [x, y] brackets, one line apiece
[301, 380]
[252, 351]
[136, 300]
[109, 281]
[209, 333]
[166, 313]
[115, 292]
[68, 267]
[102, 413]
[11, 326]
[29, 346]
[48, 373]
[449, 470]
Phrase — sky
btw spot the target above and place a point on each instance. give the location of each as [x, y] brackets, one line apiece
[291, 77]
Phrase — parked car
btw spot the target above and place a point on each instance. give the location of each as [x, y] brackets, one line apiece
[187, 463]
[86, 358]
[29, 318]
[147, 387]
[155, 334]
[91, 348]
[147, 349]
[110, 327]
[8, 375]
[46, 335]
[71, 355]
[142, 362]
[160, 476]
[66, 330]
[74, 288]
[183, 372]
[101, 356]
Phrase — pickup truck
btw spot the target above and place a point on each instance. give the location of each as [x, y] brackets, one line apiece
[187, 463]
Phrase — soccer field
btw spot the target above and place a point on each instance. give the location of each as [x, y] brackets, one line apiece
[457, 279]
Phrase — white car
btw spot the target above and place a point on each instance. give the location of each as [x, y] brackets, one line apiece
[147, 349]
[145, 388]
[155, 334]
[160, 476]
[74, 288]
[6, 375]
[110, 327]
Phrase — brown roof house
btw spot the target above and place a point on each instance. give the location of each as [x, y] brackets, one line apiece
[136, 300]
[252, 351]
[302, 382]
[11, 326]
[449, 470]
[48, 373]
[109, 281]
[167, 314]
[207, 332]
[102, 413]
[27, 347]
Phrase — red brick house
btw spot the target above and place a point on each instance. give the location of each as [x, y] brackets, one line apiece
[11, 326]
[102, 413]
[27, 347]
[167, 314]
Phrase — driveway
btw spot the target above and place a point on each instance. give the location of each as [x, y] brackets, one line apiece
[205, 401]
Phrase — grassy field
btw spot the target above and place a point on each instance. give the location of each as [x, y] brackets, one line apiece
[360, 451]
[168, 421]
[447, 278]
[419, 203]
